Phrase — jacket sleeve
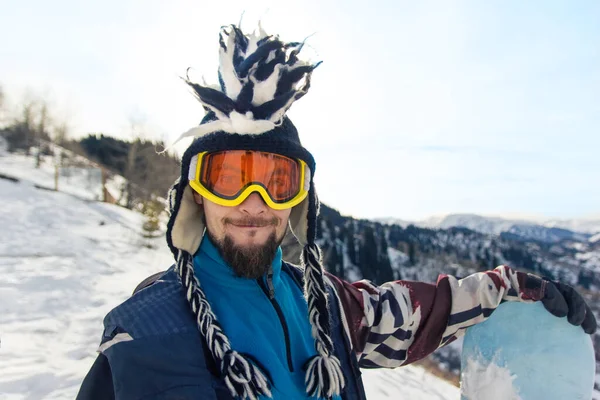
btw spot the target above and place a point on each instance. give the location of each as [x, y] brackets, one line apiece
[400, 322]
[98, 383]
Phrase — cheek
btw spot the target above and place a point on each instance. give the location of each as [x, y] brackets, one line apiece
[284, 216]
[213, 218]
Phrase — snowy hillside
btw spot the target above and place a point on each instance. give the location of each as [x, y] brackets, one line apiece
[65, 262]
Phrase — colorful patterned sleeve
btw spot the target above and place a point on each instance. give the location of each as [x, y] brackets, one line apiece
[401, 322]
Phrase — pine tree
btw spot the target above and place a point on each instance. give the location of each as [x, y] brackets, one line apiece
[386, 273]
[368, 255]
[350, 242]
[412, 258]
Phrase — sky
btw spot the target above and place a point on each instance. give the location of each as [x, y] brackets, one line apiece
[418, 109]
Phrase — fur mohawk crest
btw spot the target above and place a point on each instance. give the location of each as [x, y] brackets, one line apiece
[260, 78]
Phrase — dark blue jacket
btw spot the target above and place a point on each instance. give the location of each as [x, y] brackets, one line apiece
[152, 348]
[156, 351]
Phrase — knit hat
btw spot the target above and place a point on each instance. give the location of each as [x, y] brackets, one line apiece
[260, 77]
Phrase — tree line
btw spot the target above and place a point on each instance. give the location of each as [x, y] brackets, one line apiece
[148, 171]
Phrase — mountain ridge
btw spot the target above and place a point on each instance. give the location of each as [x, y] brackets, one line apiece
[548, 229]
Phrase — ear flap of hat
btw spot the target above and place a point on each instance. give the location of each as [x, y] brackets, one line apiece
[188, 227]
[299, 221]
[299, 217]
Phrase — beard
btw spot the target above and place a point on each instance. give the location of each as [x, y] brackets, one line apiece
[249, 262]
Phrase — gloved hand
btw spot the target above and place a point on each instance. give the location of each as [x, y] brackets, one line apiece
[562, 300]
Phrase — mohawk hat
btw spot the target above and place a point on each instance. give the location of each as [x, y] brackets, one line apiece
[260, 77]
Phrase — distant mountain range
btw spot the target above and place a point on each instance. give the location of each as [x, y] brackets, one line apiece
[550, 231]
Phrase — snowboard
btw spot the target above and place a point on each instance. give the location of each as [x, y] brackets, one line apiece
[522, 352]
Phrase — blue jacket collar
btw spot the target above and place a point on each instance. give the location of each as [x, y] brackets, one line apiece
[208, 263]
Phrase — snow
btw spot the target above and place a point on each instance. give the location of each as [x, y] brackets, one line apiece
[65, 262]
[397, 258]
[394, 221]
[84, 182]
[584, 225]
[410, 383]
[488, 381]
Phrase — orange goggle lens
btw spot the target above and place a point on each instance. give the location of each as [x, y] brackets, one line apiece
[227, 173]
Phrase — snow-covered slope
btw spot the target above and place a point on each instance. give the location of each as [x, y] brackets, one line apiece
[65, 262]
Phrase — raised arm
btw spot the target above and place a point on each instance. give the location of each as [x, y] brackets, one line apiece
[400, 322]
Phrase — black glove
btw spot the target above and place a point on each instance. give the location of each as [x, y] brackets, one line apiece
[562, 300]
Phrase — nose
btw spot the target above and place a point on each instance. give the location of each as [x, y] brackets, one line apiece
[254, 205]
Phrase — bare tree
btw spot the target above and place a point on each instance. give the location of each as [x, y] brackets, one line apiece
[137, 128]
[61, 132]
[29, 125]
[40, 132]
[26, 123]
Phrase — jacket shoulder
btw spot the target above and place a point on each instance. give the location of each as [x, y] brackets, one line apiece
[158, 309]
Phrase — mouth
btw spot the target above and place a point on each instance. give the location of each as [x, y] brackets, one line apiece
[251, 224]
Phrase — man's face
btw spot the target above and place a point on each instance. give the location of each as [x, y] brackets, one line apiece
[247, 235]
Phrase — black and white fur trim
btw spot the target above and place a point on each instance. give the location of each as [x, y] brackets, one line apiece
[324, 377]
[260, 78]
[243, 378]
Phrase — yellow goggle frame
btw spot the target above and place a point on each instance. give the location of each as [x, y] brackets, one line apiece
[196, 184]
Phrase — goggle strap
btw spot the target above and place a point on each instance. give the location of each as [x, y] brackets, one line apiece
[307, 178]
[193, 168]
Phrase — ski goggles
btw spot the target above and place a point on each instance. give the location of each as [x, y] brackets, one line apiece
[229, 177]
